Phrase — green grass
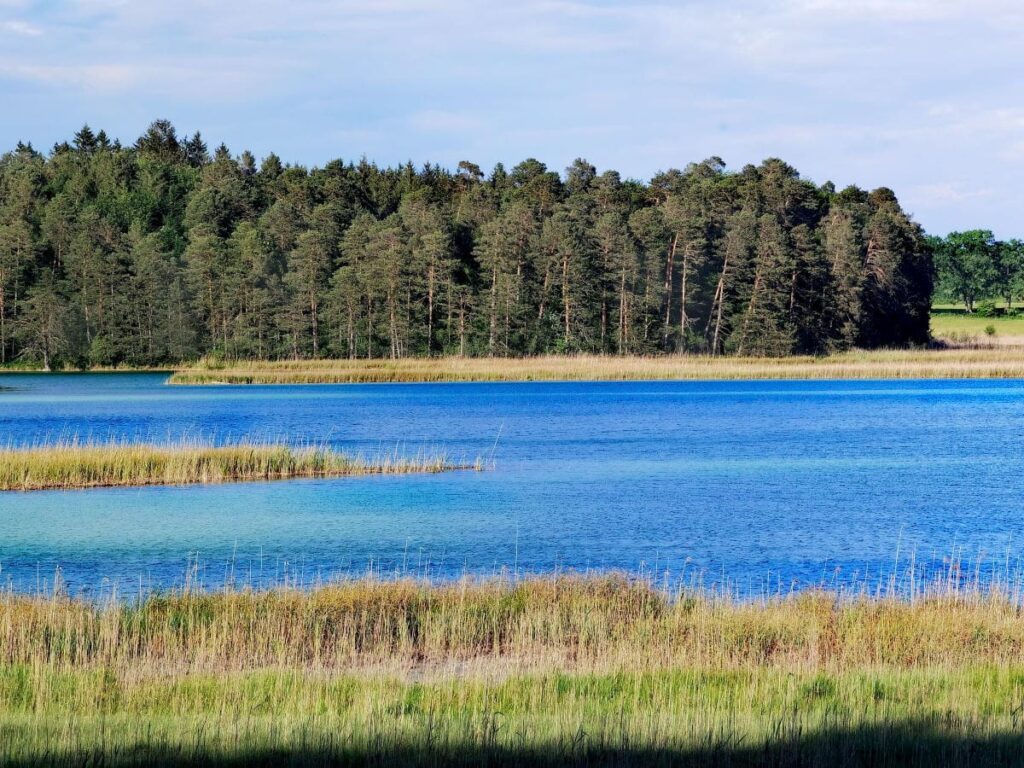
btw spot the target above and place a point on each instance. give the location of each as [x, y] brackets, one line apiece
[958, 717]
[557, 671]
[89, 465]
[952, 321]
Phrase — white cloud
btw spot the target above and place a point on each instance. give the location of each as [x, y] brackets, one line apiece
[98, 77]
[222, 84]
[946, 193]
[906, 10]
[22, 28]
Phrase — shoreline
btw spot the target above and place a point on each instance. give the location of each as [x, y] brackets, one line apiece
[995, 361]
[989, 363]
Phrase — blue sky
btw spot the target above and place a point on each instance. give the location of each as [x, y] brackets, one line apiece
[924, 96]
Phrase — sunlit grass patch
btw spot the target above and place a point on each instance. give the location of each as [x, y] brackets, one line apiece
[955, 324]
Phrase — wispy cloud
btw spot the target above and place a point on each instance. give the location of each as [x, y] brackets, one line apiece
[948, 193]
[88, 77]
[23, 28]
[907, 10]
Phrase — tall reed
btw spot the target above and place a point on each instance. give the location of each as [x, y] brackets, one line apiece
[73, 464]
[586, 622]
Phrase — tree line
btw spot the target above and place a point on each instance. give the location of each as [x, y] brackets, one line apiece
[973, 266]
[160, 252]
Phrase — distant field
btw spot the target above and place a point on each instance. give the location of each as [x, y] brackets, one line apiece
[950, 320]
[559, 672]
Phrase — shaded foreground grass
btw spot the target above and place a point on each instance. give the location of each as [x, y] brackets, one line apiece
[560, 671]
[89, 465]
[881, 364]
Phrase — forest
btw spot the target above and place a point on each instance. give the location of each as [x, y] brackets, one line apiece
[160, 251]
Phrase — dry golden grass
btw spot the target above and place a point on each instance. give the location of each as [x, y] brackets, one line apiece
[579, 622]
[995, 362]
[89, 465]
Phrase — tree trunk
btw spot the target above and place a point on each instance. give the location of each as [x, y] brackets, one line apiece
[430, 311]
[623, 311]
[462, 330]
[392, 323]
[494, 310]
[369, 328]
[792, 293]
[750, 311]
[543, 304]
[508, 310]
[683, 318]
[716, 304]
[449, 305]
[316, 328]
[565, 298]
[669, 270]
[3, 320]
[351, 332]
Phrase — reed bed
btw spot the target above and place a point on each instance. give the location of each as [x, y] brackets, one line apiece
[74, 464]
[554, 671]
[585, 622]
[995, 362]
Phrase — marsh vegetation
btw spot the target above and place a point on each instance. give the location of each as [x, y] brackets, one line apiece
[561, 670]
[73, 464]
[973, 360]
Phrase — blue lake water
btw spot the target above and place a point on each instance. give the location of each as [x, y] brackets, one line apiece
[759, 484]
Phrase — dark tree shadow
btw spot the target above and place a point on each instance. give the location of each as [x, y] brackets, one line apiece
[902, 744]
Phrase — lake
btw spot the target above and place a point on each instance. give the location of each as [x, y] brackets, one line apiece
[761, 485]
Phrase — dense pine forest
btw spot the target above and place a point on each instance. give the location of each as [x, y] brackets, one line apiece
[160, 252]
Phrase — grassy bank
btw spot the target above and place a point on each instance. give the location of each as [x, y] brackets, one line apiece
[556, 671]
[91, 465]
[882, 364]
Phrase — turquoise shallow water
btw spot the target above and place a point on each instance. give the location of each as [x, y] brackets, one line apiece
[759, 484]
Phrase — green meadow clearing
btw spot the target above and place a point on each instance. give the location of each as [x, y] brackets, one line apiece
[949, 320]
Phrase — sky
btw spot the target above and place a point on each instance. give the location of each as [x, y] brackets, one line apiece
[923, 96]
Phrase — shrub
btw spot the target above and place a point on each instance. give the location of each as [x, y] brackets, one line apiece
[985, 309]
